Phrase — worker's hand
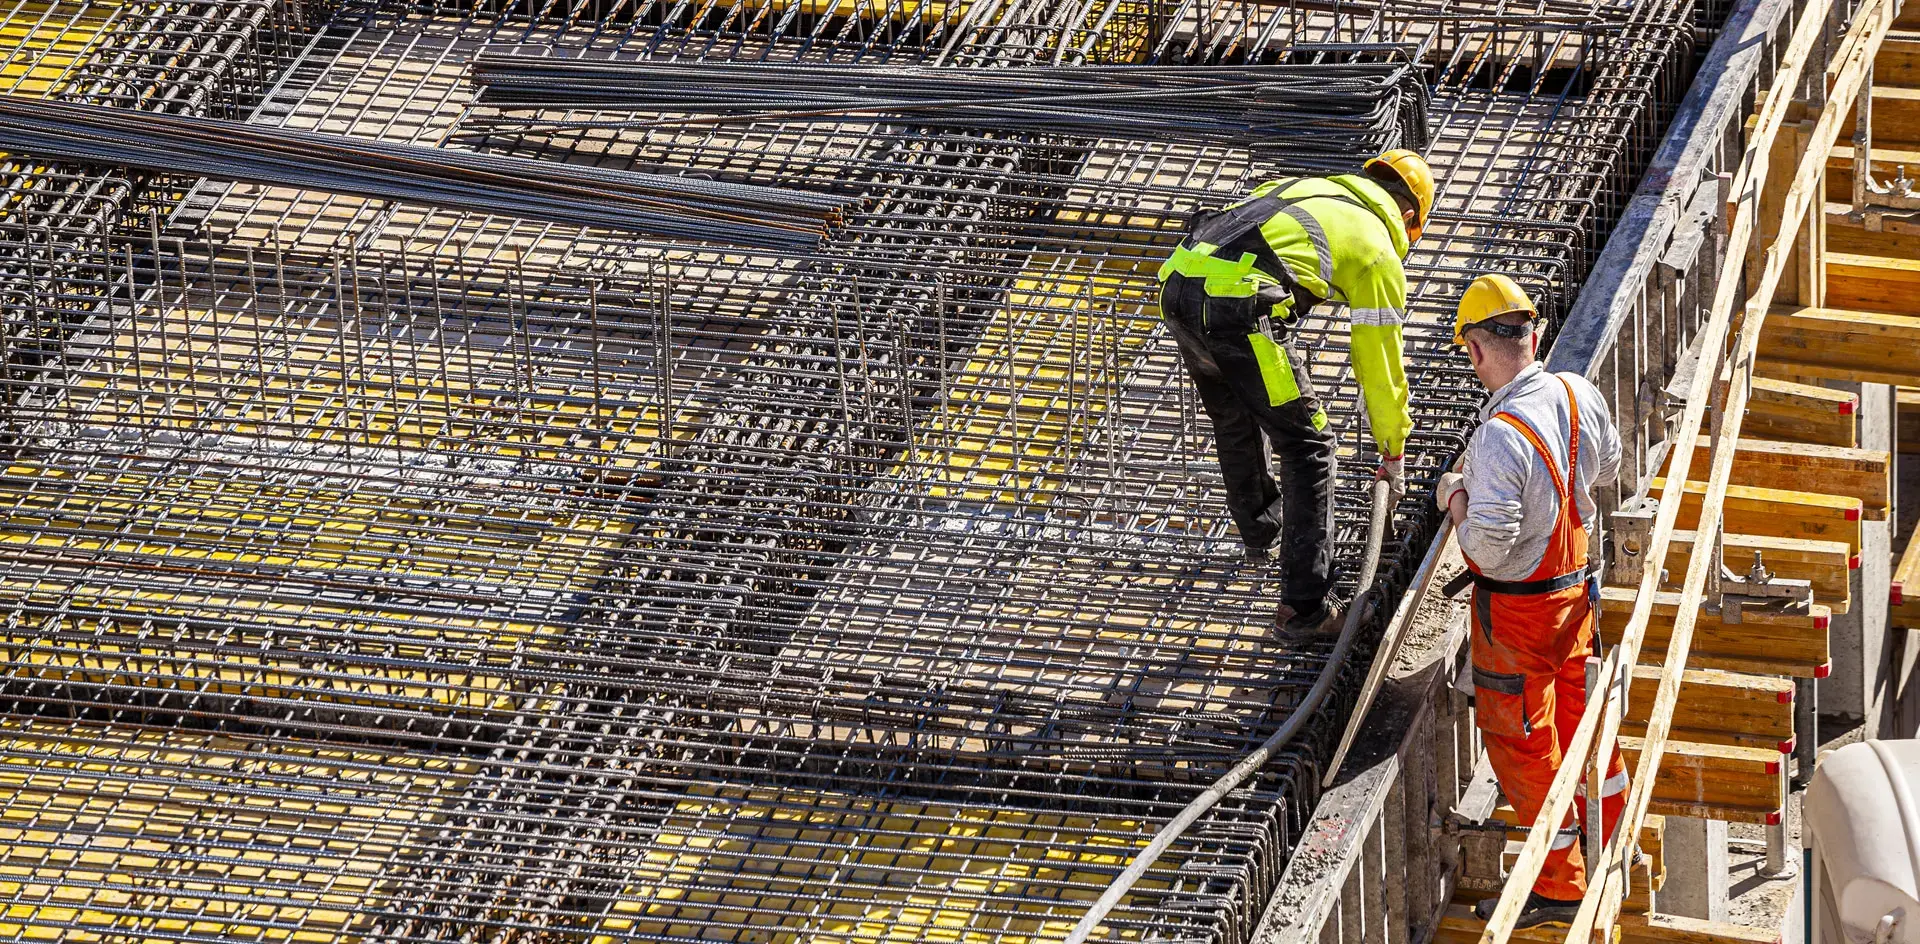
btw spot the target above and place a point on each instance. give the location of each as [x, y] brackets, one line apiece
[1394, 470]
[1450, 484]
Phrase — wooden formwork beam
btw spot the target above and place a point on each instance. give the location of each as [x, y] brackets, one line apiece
[1791, 411]
[1863, 282]
[1828, 565]
[1907, 419]
[1898, 62]
[1896, 114]
[1652, 842]
[1718, 707]
[1841, 344]
[1866, 474]
[1886, 163]
[1898, 236]
[1715, 781]
[1762, 643]
[1903, 610]
[1459, 926]
[1778, 513]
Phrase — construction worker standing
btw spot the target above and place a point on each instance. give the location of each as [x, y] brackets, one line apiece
[1228, 293]
[1520, 505]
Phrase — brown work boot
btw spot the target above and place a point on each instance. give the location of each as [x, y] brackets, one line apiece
[1539, 912]
[1298, 624]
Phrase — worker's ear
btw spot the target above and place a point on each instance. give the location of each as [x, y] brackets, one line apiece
[1533, 344]
[1474, 353]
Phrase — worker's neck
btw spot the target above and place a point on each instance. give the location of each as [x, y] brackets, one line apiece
[1497, 375]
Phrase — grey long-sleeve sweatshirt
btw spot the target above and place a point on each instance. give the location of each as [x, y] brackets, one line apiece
[1511, 503]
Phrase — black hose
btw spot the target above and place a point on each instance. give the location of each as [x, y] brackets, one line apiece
[1356, 614]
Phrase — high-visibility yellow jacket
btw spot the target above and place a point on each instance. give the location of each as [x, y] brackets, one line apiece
[1340, 238]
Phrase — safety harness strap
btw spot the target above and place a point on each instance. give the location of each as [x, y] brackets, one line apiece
[1225, 227]
[1562, 487]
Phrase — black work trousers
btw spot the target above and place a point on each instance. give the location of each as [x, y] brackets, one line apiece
[1221, 345]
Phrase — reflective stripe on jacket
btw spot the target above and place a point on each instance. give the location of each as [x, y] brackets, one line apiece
[1340, 238]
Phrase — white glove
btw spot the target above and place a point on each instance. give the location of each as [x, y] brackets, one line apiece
[1394, 470]
[1450, 484]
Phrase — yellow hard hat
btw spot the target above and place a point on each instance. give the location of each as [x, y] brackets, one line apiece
[1413, 171]
[1490, 296]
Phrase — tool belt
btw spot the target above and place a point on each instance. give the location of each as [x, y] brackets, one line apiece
[1517, 588]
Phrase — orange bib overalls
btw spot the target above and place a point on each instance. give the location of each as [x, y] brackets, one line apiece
[1531, 640]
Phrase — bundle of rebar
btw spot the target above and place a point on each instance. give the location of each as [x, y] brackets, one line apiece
[1314, 113]
[654, 204]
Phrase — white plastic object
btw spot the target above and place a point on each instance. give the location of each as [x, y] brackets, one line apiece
[1862, 822]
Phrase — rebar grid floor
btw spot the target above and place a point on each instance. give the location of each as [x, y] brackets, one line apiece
[538, 584]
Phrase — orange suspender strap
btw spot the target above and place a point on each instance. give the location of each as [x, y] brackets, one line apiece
[1562, 488]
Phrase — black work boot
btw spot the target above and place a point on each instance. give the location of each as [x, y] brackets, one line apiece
[1303, 622]
[1257, 556]
[1539, 912]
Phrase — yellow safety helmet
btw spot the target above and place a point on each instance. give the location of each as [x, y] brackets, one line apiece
[1413, 171]
[1490, 296]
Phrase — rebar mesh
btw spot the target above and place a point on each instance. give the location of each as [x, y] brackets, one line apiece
[387, 573]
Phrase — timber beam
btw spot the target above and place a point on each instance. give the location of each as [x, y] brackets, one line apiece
[1715, 781]
[1778, 513]
[1841, 344]
[1898, 61]
[1459, 926]
[1896, 115]
[1717, 707]
[1903, 609]
[1886, 163]
[1898, 235]
[1907, 419]
[1802, 413]
[1826, 564]
[1866, 474]
[1872, 283]
[1762, 643]
[1652, 842]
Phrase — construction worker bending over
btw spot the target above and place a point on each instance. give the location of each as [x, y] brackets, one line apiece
[1229, 293]
[1520, 505]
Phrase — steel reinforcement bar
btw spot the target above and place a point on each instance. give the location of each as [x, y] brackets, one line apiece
[496, 579]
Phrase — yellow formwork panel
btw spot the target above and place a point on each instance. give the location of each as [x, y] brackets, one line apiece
[213, 524]
[814, 867]
[929, 11]
[1037, 381]
[469, 652]
[1100, 628]
[128, 836]
[1042, 371]
[323, 384]
[42, 42]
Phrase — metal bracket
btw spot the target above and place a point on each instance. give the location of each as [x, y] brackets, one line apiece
[1632, 527]
[1758, 588]
[1871, 199]
[1483, 840]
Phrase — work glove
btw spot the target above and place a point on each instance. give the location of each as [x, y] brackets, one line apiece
[1450, 484]
[1394, 470]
